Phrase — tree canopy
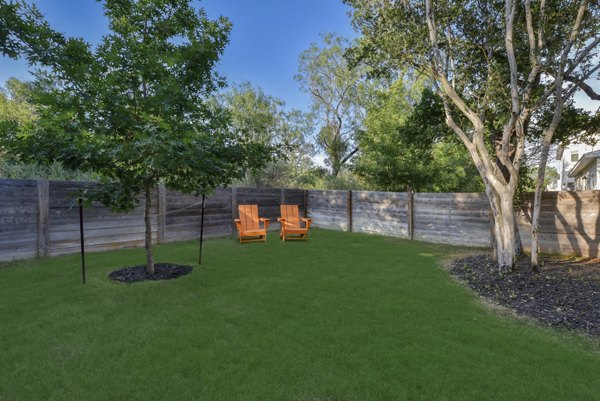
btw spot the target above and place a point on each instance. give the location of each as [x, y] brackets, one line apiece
[135, 108]
[497, 65]
[263, 119]
[408, 145]
[339, 96]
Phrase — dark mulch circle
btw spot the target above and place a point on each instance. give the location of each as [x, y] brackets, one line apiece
[162, 271]
[563, 294]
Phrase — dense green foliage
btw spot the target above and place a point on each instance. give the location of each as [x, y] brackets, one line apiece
[373, 133]
[16, 105]
[528, 180]
[409, 145]
[134, 109]
[15, 102]
[340, 317]
[500, 67]
[263, 119]
[357, 128]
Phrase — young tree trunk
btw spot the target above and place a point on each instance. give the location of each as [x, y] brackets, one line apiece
[537, 204]
[547, 140]
[148, 239]
[518, 242]
[335, 169]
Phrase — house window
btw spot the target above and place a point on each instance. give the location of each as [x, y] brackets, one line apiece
[574, 156]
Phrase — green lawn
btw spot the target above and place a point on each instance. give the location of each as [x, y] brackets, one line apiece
[342, 317]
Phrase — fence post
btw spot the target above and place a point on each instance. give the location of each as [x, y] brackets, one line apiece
[305, 204]
[233, 209]
[349, 211]
[161, 209]
[410, 214]
[43, 231]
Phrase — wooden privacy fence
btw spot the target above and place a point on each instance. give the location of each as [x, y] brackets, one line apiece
[450, 218]
[40, 218]
[569, 221]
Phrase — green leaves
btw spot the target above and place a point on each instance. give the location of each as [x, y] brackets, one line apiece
[410, 146]
[262, 120]
[339, 95]
[134, 109]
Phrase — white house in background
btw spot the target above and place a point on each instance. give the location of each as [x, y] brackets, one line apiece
[578, 167]
[585, 172]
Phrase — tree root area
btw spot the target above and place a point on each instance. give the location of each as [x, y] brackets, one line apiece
[564, 293]
[162, 271]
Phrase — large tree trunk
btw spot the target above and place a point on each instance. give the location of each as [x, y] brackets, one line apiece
[504, 230]
[518, 242]
[148, 221]
[500, 187]
[505, 241]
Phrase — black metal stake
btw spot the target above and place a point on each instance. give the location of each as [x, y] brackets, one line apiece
[81, 239]
[201, 232]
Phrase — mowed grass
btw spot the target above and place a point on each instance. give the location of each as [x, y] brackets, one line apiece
[342, 317]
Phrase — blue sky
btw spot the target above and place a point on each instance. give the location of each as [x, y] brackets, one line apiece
[267, 37]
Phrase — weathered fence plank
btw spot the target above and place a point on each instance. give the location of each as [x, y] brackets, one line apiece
[457, 218]
[569, 223]
[18, 219]
[104, 229]
[43, 229]
[380, 213]
[183, 215]
[349, 211]
[328, 209]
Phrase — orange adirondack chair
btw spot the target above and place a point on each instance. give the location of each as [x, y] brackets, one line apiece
[248, 225]
[290, 224]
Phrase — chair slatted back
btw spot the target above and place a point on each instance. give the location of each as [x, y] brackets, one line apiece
[291, 215]
[249, 217]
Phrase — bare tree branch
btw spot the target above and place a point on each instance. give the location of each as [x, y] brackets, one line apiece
[583, 86]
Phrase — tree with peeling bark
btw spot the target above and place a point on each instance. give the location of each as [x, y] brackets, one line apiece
[338, 93]
[133, 109]
[497, 65]
[563, 60]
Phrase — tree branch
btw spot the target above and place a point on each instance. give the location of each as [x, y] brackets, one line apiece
[583, 86]
[349, 156]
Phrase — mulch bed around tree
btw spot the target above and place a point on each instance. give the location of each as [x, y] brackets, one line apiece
[565, 293]
[162, 271]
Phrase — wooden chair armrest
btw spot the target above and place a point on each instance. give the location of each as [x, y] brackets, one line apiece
[306, 221]
[265, 221]
[282, 219]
